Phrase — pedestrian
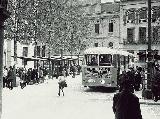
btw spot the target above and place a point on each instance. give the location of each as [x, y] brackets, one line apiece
[45, 73]
[138, 80]
[10, 78]
[5, 71]
[41, 77]
[130, 77]
[29, 76]
[122, 77]
[156, 85]
[62, 83]
[36, 76]
[78, 69]
[23, 80]
[126, 104]
[73, 69]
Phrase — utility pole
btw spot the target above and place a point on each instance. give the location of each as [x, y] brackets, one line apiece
[149, 63]
[147, 92]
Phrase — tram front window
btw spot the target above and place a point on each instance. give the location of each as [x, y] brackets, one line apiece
[91, 60]
[105, 60]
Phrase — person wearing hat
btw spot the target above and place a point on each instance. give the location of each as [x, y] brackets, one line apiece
[126, 104]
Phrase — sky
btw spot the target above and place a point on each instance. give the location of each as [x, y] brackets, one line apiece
[103, 1]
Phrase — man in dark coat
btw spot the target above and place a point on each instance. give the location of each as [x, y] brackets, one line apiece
[10, 77]
[126, 104]
[156, 85]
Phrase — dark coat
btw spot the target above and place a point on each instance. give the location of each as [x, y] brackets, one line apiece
[10, 75]
[126, 106]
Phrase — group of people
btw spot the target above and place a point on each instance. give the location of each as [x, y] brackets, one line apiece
[31, 76]
[66, 70]
[35, 76]
[135, 77]
[27, 77]
[63, 72]
[125, 103]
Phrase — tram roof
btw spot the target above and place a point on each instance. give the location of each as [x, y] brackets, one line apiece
[105, 50]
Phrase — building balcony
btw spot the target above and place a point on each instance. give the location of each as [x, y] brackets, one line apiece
[155, 42]
[129, 43]
[142, 42]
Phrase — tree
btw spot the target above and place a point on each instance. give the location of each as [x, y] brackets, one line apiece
[60, 24]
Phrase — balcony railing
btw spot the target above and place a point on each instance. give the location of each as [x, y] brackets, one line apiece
[129, 43]
[155, 42]
[142, 42]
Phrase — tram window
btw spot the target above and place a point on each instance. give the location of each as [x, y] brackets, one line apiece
[91, 60]
[105, 60]
[122, 60]
[127, 59]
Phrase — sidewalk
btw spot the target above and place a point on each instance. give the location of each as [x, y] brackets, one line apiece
[145, 101]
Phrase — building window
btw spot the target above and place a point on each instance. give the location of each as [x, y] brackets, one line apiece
[131, 15]
[38, 51]
[25, 51]
[96, 44]
[142, 35]
[43, 50]
[155, 13]
[111, 27]
[25, 54]
[130, 51]
[97, 28]
[143, 15]
[156, 34]
[130, 35]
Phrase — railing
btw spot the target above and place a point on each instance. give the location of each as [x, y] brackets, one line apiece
[155, 42]
[129, 42]
[142, 42]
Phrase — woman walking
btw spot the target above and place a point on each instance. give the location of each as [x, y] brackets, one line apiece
[62, 83]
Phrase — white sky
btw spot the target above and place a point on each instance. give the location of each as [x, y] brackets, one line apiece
[103, 1]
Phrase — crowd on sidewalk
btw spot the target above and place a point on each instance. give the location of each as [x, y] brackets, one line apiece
[35, 76]
[138, 79]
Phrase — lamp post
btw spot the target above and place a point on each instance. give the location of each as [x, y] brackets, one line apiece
[149, 64]
[4, 14]
[147, 92]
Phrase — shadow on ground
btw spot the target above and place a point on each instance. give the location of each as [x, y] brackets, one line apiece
[100, 89]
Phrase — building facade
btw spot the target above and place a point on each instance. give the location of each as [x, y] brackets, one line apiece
[105, 23]
[134, 27]
[119, 25]
[23, 50]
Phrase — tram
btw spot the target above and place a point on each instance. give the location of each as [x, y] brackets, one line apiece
[102, 66]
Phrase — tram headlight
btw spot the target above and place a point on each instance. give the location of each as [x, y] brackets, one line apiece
[102, 81]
